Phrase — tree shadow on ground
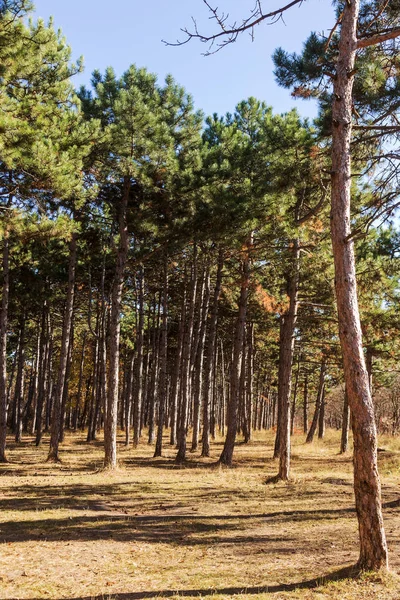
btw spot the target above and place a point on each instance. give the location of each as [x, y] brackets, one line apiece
[183, 529]
[351, 571]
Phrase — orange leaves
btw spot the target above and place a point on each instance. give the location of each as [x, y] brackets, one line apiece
[316, 225]
[315, 151]
[266, 301]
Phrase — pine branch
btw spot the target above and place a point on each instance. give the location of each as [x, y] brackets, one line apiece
[378, 38]
[231, 32]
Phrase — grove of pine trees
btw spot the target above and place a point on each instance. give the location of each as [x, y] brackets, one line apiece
[169, 275]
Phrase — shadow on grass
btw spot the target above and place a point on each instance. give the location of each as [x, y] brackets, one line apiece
[344, 573]
[188, 529]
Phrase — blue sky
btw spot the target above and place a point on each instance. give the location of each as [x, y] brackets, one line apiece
[130, 31]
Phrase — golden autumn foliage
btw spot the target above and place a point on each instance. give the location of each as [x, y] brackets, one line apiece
[268, 302]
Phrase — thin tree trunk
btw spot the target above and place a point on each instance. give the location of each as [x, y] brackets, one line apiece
[186, 352]
[296, 386]
[305, 404]
[152, 399]
[80, 382]
[176, 380]
[198, 388]
[321, 417]
[50, 384]
[242, 409]
[223, 389]
[232, 416]
[344, 441]
[285, 365]
[210, 357]
[249, 381]
[35, 386]
[111, 412]
[95, 390]
[138, 391]
[12, 419]
[128, 398]
[3, 346]
[162, 387]
[44, 358]
[369, 363]
[19, 388]
[65, 343]
[367, 488]
[64, 420]
[318, 401]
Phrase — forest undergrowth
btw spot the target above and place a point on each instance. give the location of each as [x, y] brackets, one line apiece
[153, 529]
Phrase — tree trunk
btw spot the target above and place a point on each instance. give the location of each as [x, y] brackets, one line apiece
[64, 420]
[296, 386]
[33, 392]
[43, 370]
[249, 381]
[3, 347]
[186, 352]
[137, 402]
[111, 412]
[128, 398]
[305, 405]
[232, 416]
[318, 401]
[162, 386]
[344, 441]
[285, 365]
[223, 388]
[198, 367]
[373, 548]
[175, 384]
[152, 396]
[80, 383]
[65, 343]
[205, 451]
[12, 418]
[19, 387]
[321, 417]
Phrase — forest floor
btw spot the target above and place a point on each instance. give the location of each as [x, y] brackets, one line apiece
[156, 530]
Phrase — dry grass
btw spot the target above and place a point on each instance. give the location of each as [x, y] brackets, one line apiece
[154, 530]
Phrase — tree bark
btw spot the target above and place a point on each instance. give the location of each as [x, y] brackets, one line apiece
[186, 352]
[232, 416]
[63, 419]
[111, 412]
[152, 396]
[19, 387]
[175, 384]
[162, 387]
[205, 451]
[65, 343]
[373, 548]
[249, 380]
[198, 367]
[344, 441]
[296, 386]
[128, 398]
[3, 346]
[138, 391]
[318, 401]
[305, 404]
[43, 371]
[321, 417]
[285, 365]
[80, 383]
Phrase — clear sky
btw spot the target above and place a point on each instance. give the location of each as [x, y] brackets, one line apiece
[123, 32]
